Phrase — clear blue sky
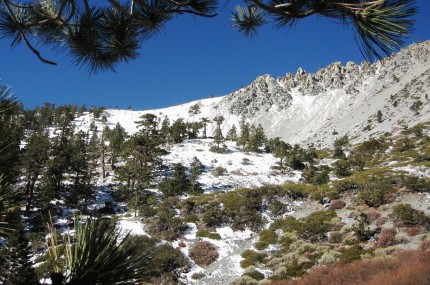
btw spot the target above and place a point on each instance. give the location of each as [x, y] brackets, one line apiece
[194, 58]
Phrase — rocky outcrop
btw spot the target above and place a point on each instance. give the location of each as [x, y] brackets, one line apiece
[260, 96]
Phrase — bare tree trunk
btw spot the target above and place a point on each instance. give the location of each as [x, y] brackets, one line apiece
[30, 192]
[102, 141]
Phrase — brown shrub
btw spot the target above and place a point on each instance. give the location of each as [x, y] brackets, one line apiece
[338, 226]
[387, 237]
[381, 221]
[408, 268]
[373, 215]
[182, 244]
[425, 245]
[413, 231]
[337, 205]
[203, 253]
[389, 198]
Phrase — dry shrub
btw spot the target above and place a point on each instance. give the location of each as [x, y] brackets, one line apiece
[373, 215]
[203, 253]
[337, 205]
[338, 226]
[381, 221]
[387, 237]
[389, 198]
[408, 268]
[425, 245]
[413, 231]
[182, 244]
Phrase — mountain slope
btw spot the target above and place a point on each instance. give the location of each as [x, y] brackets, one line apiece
[309, 108]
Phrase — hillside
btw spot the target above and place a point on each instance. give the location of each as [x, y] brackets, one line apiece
[307, 108]
[346, 188]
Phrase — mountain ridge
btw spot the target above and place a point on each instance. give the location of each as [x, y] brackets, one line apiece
[316, 108]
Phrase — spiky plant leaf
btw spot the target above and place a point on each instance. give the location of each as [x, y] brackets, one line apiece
[12, 24]
[52, 31]
[247, 20]
[203, 6]
[120, 36]
[151, 18]
[86, 43]
[383, 26]
[99, 256]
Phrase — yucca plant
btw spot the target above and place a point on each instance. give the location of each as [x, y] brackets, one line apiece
[97, 254]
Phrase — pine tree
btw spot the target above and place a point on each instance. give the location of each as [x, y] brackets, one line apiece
[243, 140]
[21, 268]
[257, 138]
[165, 130]
[205, 121]
[232, 134]
[34, 158]
[82, 165]
[196, 168]
[281, 150]
[177, 184]
[51, 183]
[193, 129]
[379, 116]
[178, 131]
[218, 137]
[116, 137]
[102, 36]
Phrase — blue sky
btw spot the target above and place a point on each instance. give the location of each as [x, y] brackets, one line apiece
[193, 58]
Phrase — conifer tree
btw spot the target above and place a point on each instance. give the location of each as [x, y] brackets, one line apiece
[244, 134]
[281, 151]
[34, 158]
[177, 184]
[165, 130]
[116, 137]
[193, 129]
[101, 36]
[20, 268]
[205, 121]
[196, 168]
[178, 131]
[257, 138]
[232, 133]
[218, 137]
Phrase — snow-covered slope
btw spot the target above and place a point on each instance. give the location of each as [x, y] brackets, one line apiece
[317, 107]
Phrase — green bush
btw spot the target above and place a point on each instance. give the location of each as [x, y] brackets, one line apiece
[219, 171]
[213, 216]
[218, 149]
[374, 192]
[197, 276]
[352, 253]
[205, 233]
[277, 208]
[252, 258]
[315, 226]
[417, 184]
[289, 224]
[191, 219]
[404, 214]
[342, 167]
[257, 275]
[267, 237]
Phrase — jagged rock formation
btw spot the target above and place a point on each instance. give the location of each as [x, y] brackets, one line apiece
[316, 108]
[260, 96]
[310, 107]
